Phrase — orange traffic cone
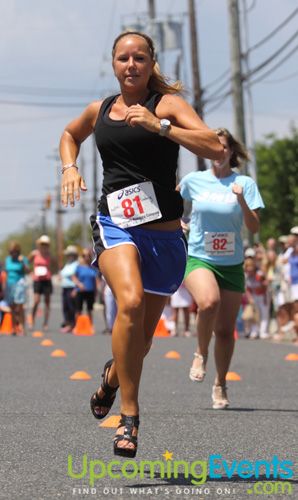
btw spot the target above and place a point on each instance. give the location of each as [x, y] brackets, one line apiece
[233, 376]
[161, 330]
[292, 356]
[58, 353]
[6, 325]
[172, 355]
[83, 326]
[111, 422]
[80, 375]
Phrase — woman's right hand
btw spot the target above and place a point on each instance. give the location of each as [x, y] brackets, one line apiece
[71, 185]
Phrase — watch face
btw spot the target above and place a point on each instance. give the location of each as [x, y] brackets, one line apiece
[164, 123]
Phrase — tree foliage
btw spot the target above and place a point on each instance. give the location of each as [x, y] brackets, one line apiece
[277, 162]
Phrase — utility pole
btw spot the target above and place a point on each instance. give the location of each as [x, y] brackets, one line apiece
[237, 87]
[236, 70]
[197, 89]
[250, 111]
[83, 206]
[151, 8]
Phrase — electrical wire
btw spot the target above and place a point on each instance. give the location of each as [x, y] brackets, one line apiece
[272, 57]
[45, 104]
[258, 44]
[275, 67]
[285, 78]
[272, 33]
[219, 78]
[214, 95]
[42, 91]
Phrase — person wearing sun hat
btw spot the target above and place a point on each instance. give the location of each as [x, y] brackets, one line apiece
[68, 288]
[42, 277]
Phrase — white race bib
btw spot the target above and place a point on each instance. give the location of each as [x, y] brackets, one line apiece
[133, 205]
[219, 243]
[40, 271]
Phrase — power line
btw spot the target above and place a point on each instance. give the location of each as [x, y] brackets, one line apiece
[247, 77]
[258, 44]
[216, 106]
[272, 57]
[214, 95]
[45, 104]
[220, 77]
[272, 33]
[48, 91]
[276, 66]
[285, 78]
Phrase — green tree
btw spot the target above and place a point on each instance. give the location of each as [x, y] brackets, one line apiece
[277, 161]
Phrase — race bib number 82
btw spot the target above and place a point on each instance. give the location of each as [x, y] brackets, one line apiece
[219, 243]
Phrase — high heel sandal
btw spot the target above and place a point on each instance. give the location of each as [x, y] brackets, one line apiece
[198, 374]
[109, 393]
[129, 422]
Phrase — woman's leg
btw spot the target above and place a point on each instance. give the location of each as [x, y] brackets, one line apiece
[36, 302]
[137, 316]
[14, 317]
[224, 333]
[121, 269]
[203, 286]
[186, 315]
[47, 302]
[71, 307]
[264, 308]
[65, 306]
[176, 320]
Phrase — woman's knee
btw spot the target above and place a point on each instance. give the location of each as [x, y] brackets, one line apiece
[209, 305]
[224, 333]
[131, 304]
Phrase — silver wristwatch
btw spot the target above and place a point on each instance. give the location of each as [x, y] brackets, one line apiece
[164, 126]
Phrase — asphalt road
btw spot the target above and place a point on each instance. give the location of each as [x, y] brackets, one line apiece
[45, 419]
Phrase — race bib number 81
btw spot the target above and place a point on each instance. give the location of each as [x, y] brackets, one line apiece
[133, 205]
[219, 243]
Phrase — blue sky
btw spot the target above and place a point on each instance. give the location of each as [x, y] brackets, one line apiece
[66, 44]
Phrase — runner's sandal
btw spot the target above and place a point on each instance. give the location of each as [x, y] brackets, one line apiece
[109, 393]
[129, 423]
[219, 397]
[198, 374]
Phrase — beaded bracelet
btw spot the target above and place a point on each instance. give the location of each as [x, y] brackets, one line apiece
[69, 165]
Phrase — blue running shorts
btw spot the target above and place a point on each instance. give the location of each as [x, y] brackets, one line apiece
[163, 254]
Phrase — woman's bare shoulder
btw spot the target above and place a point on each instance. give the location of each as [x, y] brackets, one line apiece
[170, 104]
[93, 110]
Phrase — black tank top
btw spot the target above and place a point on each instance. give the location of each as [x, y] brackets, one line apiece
[133, 154]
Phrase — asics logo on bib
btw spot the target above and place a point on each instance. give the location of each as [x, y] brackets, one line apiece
[129, 191]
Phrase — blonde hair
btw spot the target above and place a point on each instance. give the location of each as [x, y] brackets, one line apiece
[157, 81]
[239, 152]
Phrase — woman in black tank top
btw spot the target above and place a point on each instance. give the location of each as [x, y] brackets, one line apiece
[138, 133]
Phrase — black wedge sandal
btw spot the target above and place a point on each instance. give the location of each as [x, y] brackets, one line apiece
[129, 423]
[110, 393]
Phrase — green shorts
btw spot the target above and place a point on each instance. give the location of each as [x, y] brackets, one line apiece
[227, 277]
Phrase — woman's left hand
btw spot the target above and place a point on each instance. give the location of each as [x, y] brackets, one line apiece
[139, 115]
